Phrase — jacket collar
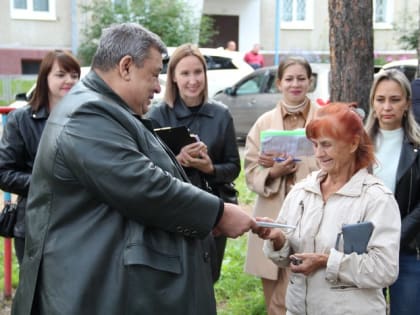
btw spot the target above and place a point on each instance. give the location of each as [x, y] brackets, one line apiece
[95, 82]
[407, 157]
[182, 111]
[41, 113]
[353, 188]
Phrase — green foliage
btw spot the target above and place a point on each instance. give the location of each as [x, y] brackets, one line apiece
[246, 196]
[238, 293]
[14, 86]
[174, 21]
[408, 32]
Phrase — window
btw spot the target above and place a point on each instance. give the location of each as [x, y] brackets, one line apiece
[33, 9]
[296, 14]
[382, 14]
[252, 85]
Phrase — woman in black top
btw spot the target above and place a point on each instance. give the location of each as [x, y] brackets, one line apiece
[212, 163]
[58, 72]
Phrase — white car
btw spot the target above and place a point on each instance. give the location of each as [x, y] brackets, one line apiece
[224, 68]
[408, 66]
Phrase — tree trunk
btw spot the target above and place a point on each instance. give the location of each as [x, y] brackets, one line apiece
[351, 51]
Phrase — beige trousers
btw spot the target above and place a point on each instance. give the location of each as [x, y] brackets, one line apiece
[275, 293]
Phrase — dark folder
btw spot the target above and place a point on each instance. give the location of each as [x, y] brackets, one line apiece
[355, 237]
[175, 137]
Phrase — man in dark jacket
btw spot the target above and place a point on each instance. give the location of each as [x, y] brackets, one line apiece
[112, 225]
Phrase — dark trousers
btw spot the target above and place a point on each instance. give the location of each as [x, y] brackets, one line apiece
[405, 292]
[220, 242]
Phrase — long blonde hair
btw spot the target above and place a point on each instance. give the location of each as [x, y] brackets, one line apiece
[410, 127]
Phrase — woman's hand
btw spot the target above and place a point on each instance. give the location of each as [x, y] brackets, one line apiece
[275, 235]
[195, 155]
[277, 169]
[307, 263]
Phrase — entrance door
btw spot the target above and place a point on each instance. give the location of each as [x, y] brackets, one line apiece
[228, 29]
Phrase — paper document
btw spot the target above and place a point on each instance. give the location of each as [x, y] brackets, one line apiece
[275, 225]
[291, 142]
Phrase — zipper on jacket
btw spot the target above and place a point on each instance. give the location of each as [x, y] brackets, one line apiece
[410, 191]
[302, 209]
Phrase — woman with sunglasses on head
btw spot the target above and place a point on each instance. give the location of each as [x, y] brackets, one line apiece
[59, 71]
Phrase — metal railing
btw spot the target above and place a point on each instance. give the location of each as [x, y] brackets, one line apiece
[7, 241]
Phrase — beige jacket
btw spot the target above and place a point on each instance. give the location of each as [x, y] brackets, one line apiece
[270, 194]
[351, 283]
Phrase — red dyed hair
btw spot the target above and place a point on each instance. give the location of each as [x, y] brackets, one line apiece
[340, 122]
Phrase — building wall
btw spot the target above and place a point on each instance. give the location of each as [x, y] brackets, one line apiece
[18, 33]
[30, 39]
[249, 12]
[316, 40]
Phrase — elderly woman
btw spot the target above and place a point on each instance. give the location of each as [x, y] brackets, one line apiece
[396, 136]
[324, 279]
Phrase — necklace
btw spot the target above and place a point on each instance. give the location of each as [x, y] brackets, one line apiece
[293, 108]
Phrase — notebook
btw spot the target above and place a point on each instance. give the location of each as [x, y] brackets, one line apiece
[175, 137]
[355, 237]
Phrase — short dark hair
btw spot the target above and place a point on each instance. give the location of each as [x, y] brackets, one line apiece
[126, 39]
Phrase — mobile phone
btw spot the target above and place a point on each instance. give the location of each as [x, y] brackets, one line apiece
[295, 261]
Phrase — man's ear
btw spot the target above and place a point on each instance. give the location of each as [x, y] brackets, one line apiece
[124, 67]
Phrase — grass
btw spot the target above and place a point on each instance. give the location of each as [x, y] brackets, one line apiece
[16, 86]
[239, 293]
[236, 292]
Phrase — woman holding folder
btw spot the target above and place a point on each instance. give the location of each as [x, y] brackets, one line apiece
[212, 162]
[272, 180]
[330, 273]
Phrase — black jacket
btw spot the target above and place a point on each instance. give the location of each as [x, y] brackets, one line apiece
[213, 123]
[112, 226]
[407, 194]
[18, 148]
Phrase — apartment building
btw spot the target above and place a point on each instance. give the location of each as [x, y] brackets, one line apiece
[29, 28]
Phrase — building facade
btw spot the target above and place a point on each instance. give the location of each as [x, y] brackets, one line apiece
[29, 28]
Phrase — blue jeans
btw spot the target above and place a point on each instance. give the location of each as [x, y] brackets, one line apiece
[405, 292]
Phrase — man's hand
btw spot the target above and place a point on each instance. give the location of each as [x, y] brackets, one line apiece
[275, 235]
[234, 222]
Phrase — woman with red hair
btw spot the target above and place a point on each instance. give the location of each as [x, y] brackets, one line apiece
[325, 278]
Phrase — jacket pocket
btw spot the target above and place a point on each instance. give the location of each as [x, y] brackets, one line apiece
[151, 247]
